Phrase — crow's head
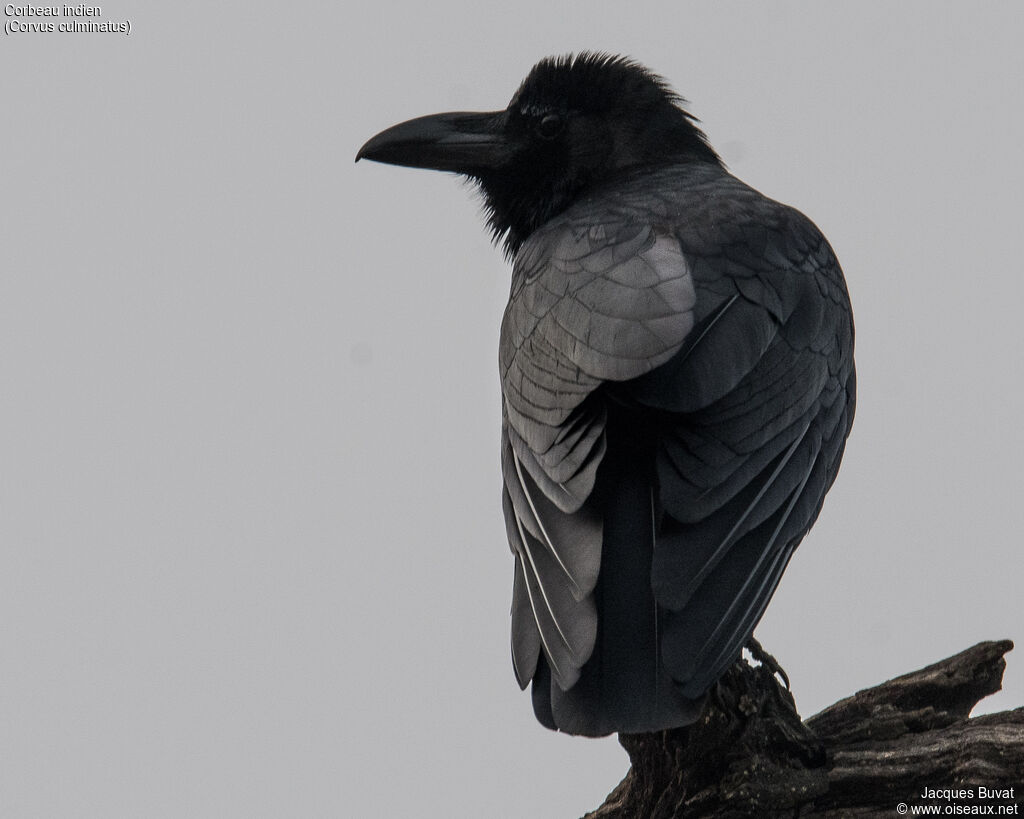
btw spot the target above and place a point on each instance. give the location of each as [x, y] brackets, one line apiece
[574, 123]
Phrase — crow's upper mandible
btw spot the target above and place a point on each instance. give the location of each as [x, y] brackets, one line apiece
[677, 374]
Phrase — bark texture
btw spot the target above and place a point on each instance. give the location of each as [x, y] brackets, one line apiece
[750, 754]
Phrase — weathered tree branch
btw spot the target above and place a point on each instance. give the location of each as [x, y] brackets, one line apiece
[751, 755]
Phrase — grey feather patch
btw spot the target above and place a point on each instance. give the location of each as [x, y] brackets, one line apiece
[548, 605]
[571, 493]
[568, 628]
[574, 541]
[525, 636]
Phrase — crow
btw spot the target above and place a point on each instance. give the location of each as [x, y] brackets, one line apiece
[676, 365]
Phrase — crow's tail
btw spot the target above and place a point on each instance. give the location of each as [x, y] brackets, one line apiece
[623, 687]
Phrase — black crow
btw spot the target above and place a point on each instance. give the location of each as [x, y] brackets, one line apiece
[676, 365]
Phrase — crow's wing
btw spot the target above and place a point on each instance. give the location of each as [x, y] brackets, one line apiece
[753, 416]
[593, 300]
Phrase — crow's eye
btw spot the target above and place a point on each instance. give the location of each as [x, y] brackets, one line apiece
[550, 126]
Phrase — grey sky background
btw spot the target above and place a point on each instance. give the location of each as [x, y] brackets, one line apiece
[252, 561]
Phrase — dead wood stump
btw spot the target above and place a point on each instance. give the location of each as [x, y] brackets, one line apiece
[750, 754]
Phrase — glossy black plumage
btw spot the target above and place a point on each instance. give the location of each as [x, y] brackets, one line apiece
[676, 364]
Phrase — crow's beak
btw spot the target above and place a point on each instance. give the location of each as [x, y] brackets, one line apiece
[463, 142]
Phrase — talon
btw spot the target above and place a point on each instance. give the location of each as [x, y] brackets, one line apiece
[767, 660]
